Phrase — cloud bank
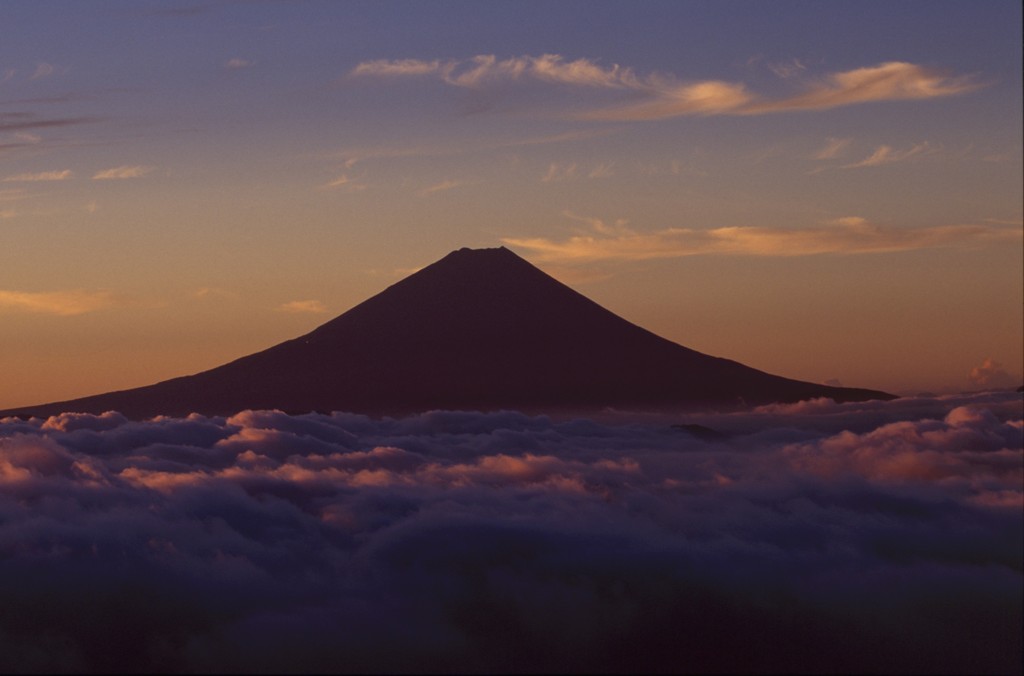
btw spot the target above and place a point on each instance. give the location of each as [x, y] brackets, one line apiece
[804, 537]
[661, 96]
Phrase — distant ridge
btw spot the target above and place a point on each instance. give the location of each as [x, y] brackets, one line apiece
[480, 329]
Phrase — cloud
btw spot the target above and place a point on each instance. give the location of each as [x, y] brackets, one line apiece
[304, 307]
[452, 540]
[891, 81]
[787, 69]
[237, 63]
[886, 155]
[42, 70]
[24, 121]
[852, 235]
[347, 182]
[61, 175]
[833, 148]
[443, 186]
[486, 68]
[992, 374]
[559, 172]
[664, 96]
[62, 303]
[122, 172]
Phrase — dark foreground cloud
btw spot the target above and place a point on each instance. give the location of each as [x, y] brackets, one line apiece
[809, 537]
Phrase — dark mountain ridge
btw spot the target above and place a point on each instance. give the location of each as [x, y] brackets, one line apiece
[477, 330]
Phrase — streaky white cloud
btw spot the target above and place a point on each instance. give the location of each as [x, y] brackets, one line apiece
[122, 172]
[57, 175]
[559, 172]
[665, 96]
[237, 63]
[62, 303]
[834, 147]
[443, 186]
[602, 170]
[304, 307]
[346, 182]
[886, 155]
[846, 236]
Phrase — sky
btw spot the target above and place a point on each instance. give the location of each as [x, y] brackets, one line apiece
[826, 191]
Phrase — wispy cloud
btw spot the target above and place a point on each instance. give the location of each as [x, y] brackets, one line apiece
[787, 69]
[237, 63]
[886, 155]
[559, 172]
[833, 148]
[852, 235]
[42, 70]
[346, 182]
[24, 121]
[62, 303]
[440, 187]
[62, 175]
[664, 96]
[122, 172]
[892, 81]
[304, 307]
[487, 68]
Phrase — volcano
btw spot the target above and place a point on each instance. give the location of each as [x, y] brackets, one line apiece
[480, 329]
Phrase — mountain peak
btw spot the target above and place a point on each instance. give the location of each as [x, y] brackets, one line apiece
[479, 329]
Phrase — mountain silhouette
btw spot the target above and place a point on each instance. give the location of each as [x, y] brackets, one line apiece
[480, 329]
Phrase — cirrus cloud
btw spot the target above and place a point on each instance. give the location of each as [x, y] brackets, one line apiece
[122, 172]
[62, 303]
[664, 96]
[851, 235]
[61, 175]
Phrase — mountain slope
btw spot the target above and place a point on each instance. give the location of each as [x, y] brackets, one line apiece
[478, 329]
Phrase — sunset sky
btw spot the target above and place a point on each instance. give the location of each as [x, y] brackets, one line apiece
[828, 191]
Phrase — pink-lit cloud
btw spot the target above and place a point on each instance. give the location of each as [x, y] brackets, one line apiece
[304, 307]
[61, 303]
[664, 96]
[122, 172]
[992, 374]
[847, 236]
[887, 155]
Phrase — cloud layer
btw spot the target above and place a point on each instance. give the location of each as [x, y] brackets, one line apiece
[660, 96]
[806, 537]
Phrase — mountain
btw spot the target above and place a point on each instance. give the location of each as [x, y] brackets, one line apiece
[478, 330]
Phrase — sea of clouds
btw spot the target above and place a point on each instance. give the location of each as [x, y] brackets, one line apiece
[877, 536]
